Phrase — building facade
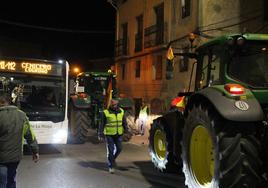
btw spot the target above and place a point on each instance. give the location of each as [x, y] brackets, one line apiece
[146, 28]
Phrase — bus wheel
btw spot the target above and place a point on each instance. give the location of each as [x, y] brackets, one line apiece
[79, 123]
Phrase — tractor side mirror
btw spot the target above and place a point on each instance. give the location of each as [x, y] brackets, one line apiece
[169, 69]
[170, 61]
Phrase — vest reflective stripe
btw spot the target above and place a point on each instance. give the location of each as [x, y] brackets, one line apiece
[113, 124]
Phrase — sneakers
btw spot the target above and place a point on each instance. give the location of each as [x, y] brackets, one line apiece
[111, 170]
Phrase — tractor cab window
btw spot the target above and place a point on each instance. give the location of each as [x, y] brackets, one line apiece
[96, 85]
[210, 68]
[249, 64]
[204, 79]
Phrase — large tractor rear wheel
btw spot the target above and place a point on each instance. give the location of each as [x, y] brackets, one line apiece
[219, 154]
[79, 124]
[160, 147]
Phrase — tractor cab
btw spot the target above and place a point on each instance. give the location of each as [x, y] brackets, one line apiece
[237, 59]
[235, 64]
[96, 85]
[93, 91]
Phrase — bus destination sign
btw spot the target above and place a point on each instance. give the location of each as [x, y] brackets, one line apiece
[30, 67]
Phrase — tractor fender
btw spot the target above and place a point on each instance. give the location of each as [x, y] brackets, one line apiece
[79, 102]
[229, 108]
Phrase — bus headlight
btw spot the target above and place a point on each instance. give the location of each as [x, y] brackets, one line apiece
[59, 136]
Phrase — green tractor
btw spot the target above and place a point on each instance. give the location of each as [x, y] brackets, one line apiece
[220, 140]
[93, 90]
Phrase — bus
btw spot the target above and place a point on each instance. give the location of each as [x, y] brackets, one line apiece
[40, 89]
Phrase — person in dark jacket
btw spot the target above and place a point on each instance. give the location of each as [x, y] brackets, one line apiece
[113, 127]
[14, 127]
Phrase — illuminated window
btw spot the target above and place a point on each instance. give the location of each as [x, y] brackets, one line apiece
[185, 8]
[138, 69]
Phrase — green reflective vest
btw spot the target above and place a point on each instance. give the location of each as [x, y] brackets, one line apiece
[113, 124]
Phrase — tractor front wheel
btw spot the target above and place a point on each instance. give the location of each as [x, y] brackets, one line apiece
[160, 147]
[79, 123]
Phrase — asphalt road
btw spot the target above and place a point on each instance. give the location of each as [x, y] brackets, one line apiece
[84, 166]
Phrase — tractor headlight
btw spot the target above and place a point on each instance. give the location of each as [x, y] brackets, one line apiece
[240, 41]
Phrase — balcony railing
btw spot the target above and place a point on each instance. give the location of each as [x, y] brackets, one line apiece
[121, 47]
[138, 42]
[154, 35]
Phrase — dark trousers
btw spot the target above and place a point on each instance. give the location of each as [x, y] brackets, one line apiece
[114, 147]
[8, 173]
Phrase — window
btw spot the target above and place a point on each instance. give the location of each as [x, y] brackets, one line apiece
[138, 69]
[139, 35]
[185, 8]
[159, 11]
[123, 71]
[140, 24]
[210, 73]
[157, 68]
[265, 12]
[204, 81]
[249, 64]
[124, 36]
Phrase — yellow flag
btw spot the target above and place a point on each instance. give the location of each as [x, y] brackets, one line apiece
[109, 94]
[170, 55]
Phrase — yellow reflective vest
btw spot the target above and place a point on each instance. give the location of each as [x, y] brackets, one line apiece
[114, 122]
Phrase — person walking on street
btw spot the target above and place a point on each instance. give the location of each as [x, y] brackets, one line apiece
[143, 115]
[113, 127]
[14, 127]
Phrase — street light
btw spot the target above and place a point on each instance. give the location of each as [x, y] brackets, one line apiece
[76, 70]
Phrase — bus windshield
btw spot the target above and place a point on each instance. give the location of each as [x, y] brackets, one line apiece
[249, 64]
[41, 98]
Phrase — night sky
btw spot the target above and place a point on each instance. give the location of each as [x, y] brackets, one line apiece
[60, 28]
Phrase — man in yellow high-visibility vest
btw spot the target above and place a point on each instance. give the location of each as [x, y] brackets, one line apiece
[113, 127]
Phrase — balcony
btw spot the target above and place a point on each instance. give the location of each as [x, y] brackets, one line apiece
[154, 35]
[121, 47]
[138, 42]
